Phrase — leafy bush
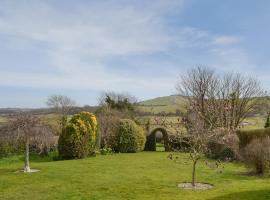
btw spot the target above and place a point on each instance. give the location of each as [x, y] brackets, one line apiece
[78, 137]
[220, 151]
[179, 142]
[127, 137]
[246, 136]
[106, 151]
[5, 149]
[257, 155]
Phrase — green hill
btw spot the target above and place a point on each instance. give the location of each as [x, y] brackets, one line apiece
[166, 104]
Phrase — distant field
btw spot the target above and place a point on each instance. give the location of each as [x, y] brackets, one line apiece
[3, 120]
[170, 104]
[255, 122]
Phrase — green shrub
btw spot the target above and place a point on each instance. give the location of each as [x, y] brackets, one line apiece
[257, 155]
[5, 149]
[267, 123]
[179, 142]
[78, 137]
[220, 151]
[127, 137]
[106, 151]
[246, 136]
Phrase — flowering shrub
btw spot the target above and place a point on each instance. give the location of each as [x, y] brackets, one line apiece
[78, 137]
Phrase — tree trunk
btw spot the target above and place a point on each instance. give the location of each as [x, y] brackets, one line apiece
[26, 159]
[193, 172]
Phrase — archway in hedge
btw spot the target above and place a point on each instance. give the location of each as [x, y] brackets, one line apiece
[151, 140]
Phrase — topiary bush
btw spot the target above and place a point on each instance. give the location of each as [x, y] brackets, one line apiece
[246, 136]
[78, 137]
[127, 137]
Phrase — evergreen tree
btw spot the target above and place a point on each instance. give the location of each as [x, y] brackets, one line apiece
[267, 123]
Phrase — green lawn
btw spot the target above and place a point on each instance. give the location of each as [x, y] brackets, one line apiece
[146, 175]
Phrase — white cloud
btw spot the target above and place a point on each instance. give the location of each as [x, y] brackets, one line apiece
[77, 41]
[226, 40]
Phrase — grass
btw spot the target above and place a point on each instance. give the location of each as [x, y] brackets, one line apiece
[160, 147]
[3, 119]
[256, 122]
[142, 176]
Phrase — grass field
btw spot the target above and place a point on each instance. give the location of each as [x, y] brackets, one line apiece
[3, 119]
[142, 176]
[255, 122]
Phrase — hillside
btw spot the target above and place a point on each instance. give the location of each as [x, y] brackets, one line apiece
[166, 104]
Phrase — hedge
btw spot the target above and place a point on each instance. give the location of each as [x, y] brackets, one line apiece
[246, 136]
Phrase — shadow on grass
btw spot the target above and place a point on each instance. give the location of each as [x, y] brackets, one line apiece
[7, 171]
[53, 156]
[248, 195]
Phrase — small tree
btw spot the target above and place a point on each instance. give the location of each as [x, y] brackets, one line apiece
[62, 106]
[107, 121]
[27, 128]
[197, 141]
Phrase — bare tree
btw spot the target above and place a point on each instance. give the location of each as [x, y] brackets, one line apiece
[27, 128]
[220, 101]
[62, 106]
[216, 107]
[107, 120]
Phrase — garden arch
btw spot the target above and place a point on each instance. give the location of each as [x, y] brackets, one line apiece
[150, 144]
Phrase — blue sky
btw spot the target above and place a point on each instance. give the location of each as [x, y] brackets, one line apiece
[84, 47]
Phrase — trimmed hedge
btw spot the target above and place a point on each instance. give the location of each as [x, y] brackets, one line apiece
[78, 137]
[246, 136]
[127, 137]
[150, 144]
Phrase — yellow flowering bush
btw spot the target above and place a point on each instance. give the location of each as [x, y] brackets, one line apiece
[78, 137]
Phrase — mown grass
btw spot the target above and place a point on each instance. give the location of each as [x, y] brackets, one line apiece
[142, 176]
